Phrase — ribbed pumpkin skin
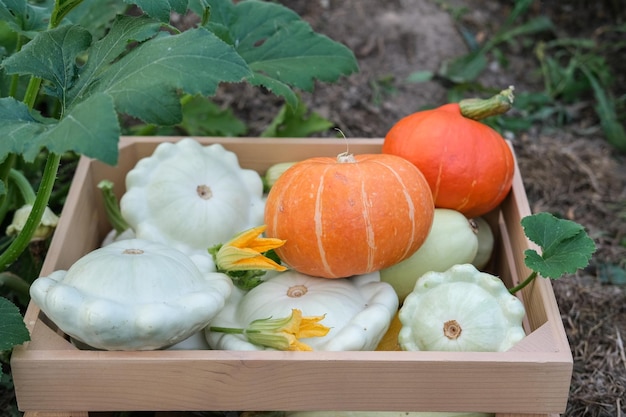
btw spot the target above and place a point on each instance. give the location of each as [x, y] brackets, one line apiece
[467, 164]
[349, 218]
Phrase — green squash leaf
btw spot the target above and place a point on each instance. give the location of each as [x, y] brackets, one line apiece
[13, 331]
[296, 122]
[124, 29]
[18, 127]
[51, 55]
[91, 129]
[160, 9]
[195, 61]
[203, 117]
[564, 244]
[24, 18]
[96, 15]
[281, 49]
[114, 79]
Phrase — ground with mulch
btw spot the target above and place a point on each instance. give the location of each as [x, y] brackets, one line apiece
[570, 171]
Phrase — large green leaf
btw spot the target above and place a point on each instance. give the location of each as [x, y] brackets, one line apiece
[103, 52]
[160, 9]
[91, 129]
[564, 244]
[18, 127]
[282, 50]
[296, 122]
[144, 81]
[13, 332]
[195, 61]
[96, 15]
[203, 117]
[24, 18]
[51, 55]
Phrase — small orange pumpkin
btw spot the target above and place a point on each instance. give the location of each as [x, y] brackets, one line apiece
[468, 165]
[349, 215]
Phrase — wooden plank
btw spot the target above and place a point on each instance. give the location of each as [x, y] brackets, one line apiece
[56, 414]
[214, 380]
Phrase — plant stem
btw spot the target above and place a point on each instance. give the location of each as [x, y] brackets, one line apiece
[41, 201]
[15, 283]
[61, 9]
[477, 108]
[524, 283]
[30, 97]
[5, 169]
[112, 208]
[229, 330]
[26, 190]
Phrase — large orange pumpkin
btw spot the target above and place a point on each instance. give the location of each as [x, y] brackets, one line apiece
[349, 215]
[468, 165]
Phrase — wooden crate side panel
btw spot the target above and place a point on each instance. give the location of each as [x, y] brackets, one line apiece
[187, 414]
[518, 383]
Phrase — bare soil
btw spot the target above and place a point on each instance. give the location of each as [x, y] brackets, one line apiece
[571, 171]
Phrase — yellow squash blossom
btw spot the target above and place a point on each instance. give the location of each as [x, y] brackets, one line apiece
[244, 252]
[282, 333]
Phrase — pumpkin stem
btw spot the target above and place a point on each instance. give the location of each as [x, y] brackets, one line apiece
[478, 109]
[345, 157]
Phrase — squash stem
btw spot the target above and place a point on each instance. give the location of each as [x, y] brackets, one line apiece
[15, 283]
[478, 109]
[112, 208]
[23, 185]
[43, 196]
[228, 330]
[524, 283]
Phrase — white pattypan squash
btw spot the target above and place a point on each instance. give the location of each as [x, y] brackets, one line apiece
[132, 295]
[358, 310]
[461, 309]
[191, 196]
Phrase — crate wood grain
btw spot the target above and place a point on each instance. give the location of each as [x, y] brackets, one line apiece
[52, 376]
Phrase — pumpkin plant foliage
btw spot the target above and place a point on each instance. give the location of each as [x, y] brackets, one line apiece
[94, 79]
[279, 47]
[70, 68]
[12, 329]
[565, 247]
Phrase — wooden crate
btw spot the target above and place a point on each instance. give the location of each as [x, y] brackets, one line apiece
[52, 376]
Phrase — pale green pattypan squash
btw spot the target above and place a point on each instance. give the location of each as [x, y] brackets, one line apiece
[452, 240]
[486, 242]
[191, 196]
[132, 295]
[461, 309]
[358, 310]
